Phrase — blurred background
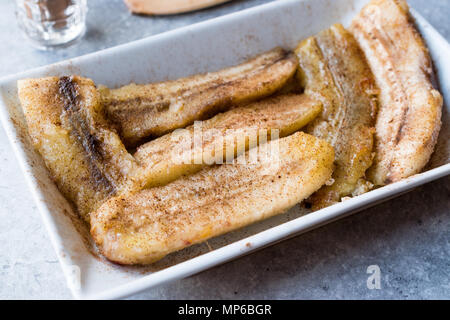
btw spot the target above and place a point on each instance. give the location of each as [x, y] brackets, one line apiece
[407, 237]
[108, 23]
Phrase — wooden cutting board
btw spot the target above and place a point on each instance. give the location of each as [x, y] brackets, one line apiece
[161, 7]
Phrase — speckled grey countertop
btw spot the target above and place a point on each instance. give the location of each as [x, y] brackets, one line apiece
[408, 237]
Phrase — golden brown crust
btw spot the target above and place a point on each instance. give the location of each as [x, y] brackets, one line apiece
[144, 227]
[153, 110]
[334, 71]
[409, 116]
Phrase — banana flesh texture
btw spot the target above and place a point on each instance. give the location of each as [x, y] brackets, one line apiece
[333, 70]
[223, 137]
[144, 227]
[82, 151]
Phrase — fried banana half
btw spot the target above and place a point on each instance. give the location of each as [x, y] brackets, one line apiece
[222, 137]
[409, 116]
[152, 110]
[333, 70]
[144, 227]
[84, 155]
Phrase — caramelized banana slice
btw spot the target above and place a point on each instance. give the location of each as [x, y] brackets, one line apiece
[85, 157]
[144, 227]
[223, 137]
[334, 71]
[409, 117]
[155, 109]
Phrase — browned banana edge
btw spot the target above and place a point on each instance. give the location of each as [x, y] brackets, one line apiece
[84, 156]
[150, 111]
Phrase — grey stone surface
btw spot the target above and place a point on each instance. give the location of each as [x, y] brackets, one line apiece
[408, 237]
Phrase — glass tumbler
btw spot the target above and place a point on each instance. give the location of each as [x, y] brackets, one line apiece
[50, 23]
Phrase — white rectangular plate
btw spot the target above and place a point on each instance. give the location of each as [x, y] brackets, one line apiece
[202, 47]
